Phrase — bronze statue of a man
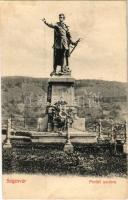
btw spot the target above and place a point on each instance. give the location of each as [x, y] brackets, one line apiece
[62, 41]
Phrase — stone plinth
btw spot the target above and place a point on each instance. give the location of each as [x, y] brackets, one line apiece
[61, 88]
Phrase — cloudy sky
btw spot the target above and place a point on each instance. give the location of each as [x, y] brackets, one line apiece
[26, 43]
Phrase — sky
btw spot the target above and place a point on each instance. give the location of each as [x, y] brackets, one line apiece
[26, 42]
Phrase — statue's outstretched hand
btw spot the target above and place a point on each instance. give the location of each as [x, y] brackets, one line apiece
[44, 20]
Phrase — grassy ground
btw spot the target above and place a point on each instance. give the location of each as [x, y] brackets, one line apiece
[86, 161]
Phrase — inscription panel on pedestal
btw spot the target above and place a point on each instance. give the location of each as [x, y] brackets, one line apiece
[65, 92]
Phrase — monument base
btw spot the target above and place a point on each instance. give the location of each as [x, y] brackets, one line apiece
[68, 147]
[61, 88]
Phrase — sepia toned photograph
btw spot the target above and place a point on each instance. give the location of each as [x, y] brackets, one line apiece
[64, 96]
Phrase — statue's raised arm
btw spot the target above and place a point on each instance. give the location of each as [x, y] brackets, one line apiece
[48, 24]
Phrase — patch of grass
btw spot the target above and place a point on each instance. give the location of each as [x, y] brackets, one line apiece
[52, 160]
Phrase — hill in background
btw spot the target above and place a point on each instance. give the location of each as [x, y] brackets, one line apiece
[26, 96]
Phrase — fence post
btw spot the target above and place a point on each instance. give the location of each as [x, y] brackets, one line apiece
[8, 136]
[112, 131]
[113, 138]
[125, 146]
[68, 147]
[24, 122]
[100, 130]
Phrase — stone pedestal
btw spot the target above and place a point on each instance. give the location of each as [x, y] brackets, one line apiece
[61, 88]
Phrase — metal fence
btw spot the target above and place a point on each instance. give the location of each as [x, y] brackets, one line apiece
[101, 126]
[21, 122]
